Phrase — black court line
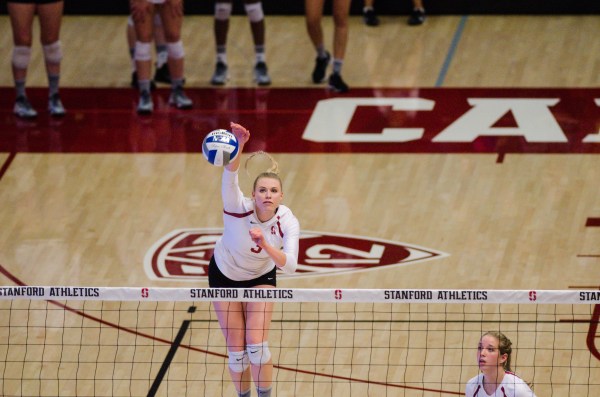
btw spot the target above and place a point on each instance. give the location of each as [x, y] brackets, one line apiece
[7, 163]
[169, 358]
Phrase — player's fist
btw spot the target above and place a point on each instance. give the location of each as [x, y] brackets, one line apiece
[240, 132]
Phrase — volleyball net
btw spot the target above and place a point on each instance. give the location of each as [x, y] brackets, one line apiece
[74, 341]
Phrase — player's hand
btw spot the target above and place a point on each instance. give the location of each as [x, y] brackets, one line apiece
[257, 236]
[240, 132]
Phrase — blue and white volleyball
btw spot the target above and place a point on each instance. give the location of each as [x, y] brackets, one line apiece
[220, 147]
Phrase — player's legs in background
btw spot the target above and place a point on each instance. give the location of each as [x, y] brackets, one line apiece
[21, 19]
[314, 15]
[341, 14]
[221, 28]
[143, 13]
[50, 17]
[256, 16]
[171, 14]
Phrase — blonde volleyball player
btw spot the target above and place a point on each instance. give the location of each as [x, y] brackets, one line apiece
[496, 379]
[171, 14]
[22, 13]
[260, 236]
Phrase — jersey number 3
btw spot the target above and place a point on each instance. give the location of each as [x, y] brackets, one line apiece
[256, 250]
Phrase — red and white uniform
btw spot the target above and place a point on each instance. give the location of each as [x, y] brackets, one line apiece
[511, 386]
[236, 255]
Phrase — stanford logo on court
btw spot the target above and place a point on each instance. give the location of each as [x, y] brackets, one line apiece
[184, 254]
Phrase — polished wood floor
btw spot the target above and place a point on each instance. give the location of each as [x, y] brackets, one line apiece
[527, 222]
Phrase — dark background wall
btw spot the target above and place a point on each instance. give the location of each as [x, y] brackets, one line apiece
[384, 7]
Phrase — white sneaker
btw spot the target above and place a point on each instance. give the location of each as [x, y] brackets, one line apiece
[179, 99]
[23, 108]
[145, 105]
[55, 106]
[220, 75]
[261, 74]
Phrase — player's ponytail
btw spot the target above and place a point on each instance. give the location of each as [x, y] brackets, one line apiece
[271, 172]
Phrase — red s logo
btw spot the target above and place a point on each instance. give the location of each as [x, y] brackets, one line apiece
[532, 295]
[145, 292]
[338, 294]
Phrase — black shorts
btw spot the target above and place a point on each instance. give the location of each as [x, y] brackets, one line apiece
[216, 279]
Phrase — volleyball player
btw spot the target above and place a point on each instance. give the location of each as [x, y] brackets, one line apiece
[341, 14]
[260, 236]
[254, 10]
[171, 14]
[49, 14]
[496, 379]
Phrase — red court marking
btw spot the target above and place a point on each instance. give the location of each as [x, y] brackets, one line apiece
[592, 222]
[18, 282]
[103, 120]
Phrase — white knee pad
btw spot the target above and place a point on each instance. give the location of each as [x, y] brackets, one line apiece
[222, 11]
[53, 52]
[259, 354]
[175, 50]
[143, 51]
[21, 56]
[254, 11]
[130, 20]
[238, 361]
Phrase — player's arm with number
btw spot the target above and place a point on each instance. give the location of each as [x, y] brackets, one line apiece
[242, 135]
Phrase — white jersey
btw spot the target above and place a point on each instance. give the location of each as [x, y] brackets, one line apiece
[236, 255]
[511, 386]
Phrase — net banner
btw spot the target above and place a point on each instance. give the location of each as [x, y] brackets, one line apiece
[299, 295]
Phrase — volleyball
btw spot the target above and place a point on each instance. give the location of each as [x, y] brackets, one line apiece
[220, 147]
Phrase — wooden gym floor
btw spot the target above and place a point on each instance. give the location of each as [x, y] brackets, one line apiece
[85, 200]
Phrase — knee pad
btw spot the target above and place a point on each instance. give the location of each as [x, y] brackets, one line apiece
[238, 361]
[130, 20]
[143, 51]
[255, 12]
[21, 56]
[175, 50]
[222, 11]
[53, 52]
[259, 353]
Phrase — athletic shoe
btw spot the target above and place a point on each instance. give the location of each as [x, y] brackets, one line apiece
[370, 18]
[55, 106]
[145, 105]
[417, 17]
[220, 75]
[321, 64]
[336, 83]
[261, 74]
[179, 99]
[134, 82]
[23, 108]
[162, 74]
